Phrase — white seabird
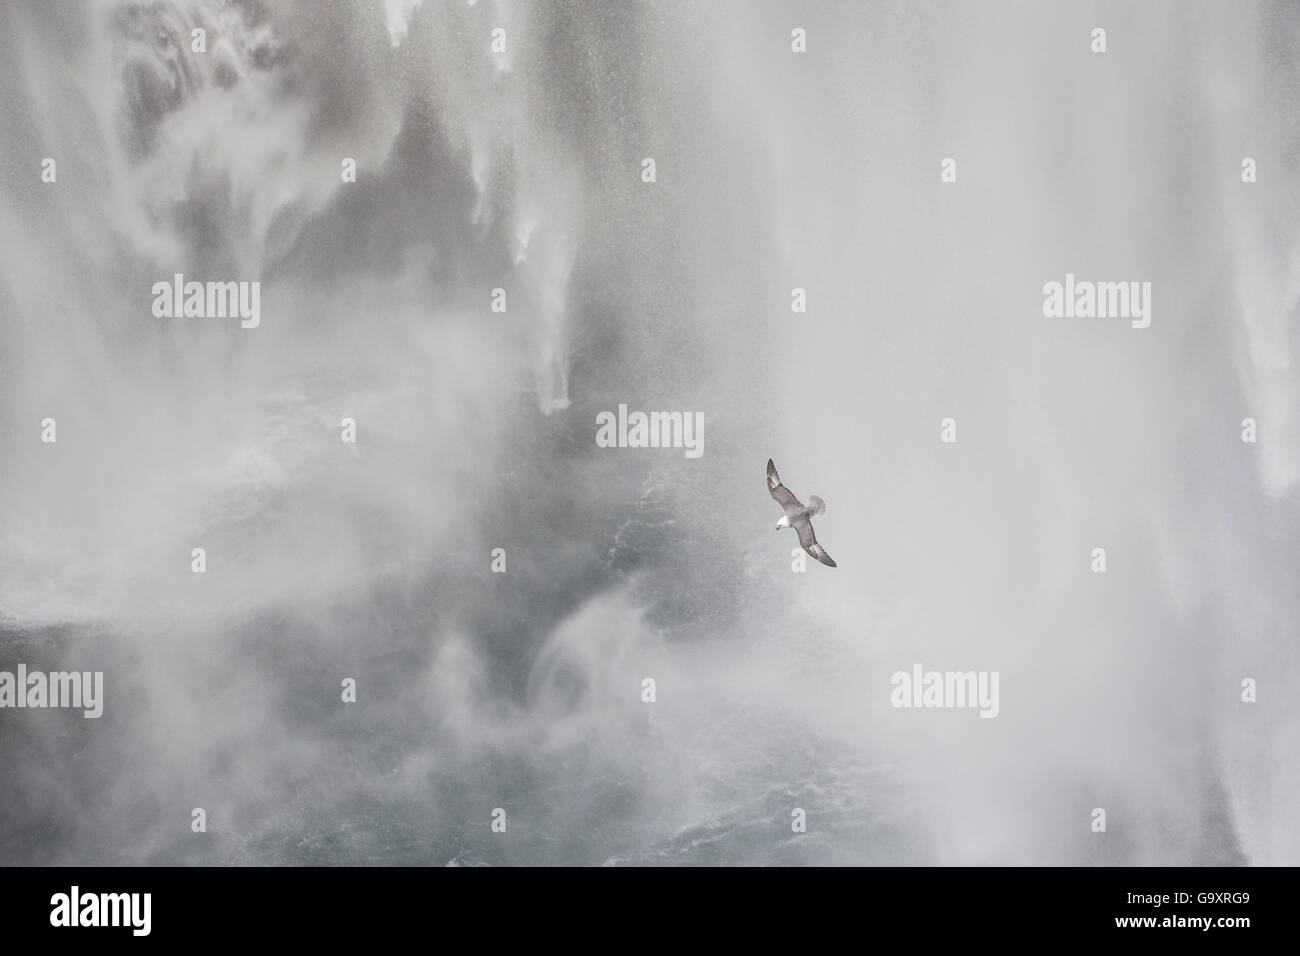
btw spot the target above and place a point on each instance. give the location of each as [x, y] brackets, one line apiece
[797, 515]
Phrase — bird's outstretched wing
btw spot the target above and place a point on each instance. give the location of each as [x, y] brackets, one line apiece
[809, 542]
[783, 495]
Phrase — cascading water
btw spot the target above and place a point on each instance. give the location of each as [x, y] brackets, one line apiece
[513, 162]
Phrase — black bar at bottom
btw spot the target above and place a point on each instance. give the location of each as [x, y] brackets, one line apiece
[333, 906]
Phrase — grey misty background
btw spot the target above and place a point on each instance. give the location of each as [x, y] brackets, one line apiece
[476, 431]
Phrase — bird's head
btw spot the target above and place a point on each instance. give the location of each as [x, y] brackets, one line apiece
[783, 523]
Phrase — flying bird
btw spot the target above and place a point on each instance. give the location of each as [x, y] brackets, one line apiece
[797, 515]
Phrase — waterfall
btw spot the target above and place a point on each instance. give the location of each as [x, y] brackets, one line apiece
[458, 249]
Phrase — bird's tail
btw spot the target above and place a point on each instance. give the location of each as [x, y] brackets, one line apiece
[815, 506]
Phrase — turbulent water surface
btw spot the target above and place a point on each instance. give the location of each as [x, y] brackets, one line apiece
[480, 169]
